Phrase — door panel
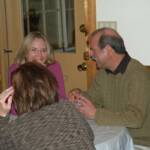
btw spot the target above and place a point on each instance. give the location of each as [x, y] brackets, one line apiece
[10, 34]
[14, 26]
[84, 14]
[3, 41]
[69, 61]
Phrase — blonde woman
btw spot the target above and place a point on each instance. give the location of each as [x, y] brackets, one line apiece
[35, 47]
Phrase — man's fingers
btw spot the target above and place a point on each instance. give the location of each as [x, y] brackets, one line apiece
[84, 101]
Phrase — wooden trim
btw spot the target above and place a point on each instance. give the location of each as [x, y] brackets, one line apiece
[90, 15]
[3, 43]
[90, 24]
[11, 34]
[14, 23]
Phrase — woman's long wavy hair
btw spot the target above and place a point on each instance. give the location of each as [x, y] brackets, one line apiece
[34, 87]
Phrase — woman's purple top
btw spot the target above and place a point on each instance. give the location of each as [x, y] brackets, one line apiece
[55, 69]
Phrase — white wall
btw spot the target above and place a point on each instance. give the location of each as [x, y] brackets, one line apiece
[133, 23]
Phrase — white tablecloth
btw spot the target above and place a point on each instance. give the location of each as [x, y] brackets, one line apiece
[111, 138]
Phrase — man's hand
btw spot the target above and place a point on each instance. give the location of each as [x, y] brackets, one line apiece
[74, 94]
[86, 107]
[5, 101]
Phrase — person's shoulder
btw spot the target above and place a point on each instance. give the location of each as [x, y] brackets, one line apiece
[137, 69]
[54, 110]
[54, 67]
[136, 62]
[3, 121]
[63, 105]
[55, 63]
[64, 108]
[136, 65]
[13, 67]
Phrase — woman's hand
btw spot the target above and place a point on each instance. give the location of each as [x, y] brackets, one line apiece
[5, 101]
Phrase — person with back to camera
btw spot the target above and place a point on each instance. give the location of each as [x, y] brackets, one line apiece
[120, 93]
[42, 123]
[35, 47]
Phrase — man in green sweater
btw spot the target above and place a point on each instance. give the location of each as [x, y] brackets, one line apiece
[120, 93]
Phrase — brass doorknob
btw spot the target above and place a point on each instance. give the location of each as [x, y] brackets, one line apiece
[87, 56]
[82, 67]
[83, 29]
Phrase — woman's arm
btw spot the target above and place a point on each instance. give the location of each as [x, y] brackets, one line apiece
[57, 72]
[11, 69]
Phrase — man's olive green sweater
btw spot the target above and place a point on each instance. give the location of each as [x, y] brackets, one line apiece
[123, 100]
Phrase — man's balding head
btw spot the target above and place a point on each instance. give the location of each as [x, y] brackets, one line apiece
[108, 36]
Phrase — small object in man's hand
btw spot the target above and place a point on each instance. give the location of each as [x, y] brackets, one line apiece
[77, 103]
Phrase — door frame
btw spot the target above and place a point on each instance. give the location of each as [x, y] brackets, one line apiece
[11, 35]
[90, 23]
[3, 41]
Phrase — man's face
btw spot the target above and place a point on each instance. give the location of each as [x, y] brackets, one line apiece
[100, 55]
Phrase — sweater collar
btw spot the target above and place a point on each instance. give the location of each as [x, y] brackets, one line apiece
[122, 66]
